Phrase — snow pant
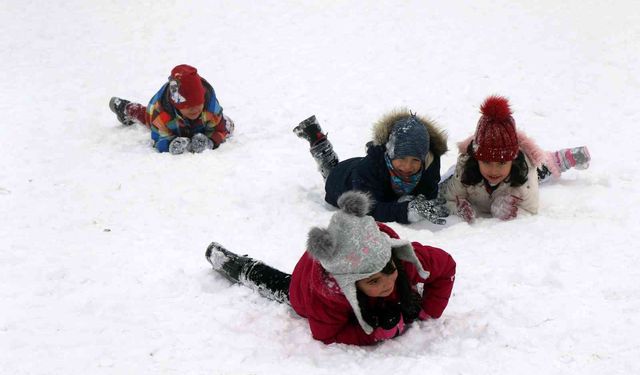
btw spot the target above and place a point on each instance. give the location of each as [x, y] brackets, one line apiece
[266, 280]
[138, 112]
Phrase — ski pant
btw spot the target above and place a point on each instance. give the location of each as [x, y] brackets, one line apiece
[266, 280]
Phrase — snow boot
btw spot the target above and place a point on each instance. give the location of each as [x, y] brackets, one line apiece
[228, 264]
[576, 157]
[325, 157]
[269, 282]
[310, 130]
[119, 107]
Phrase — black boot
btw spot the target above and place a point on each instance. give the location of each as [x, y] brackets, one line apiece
[118, 106]
[325, 157]
[266, 280]
[228, 264]
[310, 130]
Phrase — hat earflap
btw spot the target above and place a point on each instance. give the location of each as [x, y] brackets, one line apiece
[405, 251]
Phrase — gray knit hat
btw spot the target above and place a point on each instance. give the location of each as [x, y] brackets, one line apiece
[353, 248]
[408, 137]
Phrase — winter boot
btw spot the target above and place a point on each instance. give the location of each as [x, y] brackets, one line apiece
[310, 130]
[576, 157]
[119, 106]
[324, 155]
[269, 282]
[228, 264]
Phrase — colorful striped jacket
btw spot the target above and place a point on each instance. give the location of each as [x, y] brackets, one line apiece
[166, 122]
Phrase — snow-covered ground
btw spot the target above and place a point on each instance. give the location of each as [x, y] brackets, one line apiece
[102, 267]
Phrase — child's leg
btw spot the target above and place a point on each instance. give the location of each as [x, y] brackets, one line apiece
[128, 113]
[563, 160]
[267, 281]
[321, 148]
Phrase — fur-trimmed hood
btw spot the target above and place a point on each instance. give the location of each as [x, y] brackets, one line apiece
[382, 129]
[534, 153]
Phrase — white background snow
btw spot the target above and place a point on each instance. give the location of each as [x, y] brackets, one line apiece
[102, 267]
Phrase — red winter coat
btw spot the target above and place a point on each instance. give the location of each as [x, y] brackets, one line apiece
[315, 295]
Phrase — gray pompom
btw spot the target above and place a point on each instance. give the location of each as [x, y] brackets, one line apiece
[355, 203]
[320, 244]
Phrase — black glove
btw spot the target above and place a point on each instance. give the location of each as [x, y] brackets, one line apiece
[179, 145]
[201, 142]
[433, 210]
[389, 317]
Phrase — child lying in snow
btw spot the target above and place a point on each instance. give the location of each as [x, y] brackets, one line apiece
[356, 283]
[184, 115]
[401, 170]
[499, 168]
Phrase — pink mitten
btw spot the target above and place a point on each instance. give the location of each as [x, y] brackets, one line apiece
[385, 334]
[465, 210]
[505, 207]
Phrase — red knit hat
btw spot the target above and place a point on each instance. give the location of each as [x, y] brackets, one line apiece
[495, 138]
[185, 87]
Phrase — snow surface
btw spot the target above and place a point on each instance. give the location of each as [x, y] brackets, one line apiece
[102, 268]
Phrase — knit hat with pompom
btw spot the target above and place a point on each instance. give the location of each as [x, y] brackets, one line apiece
[495, 138]
[353, 248]
[185, 87]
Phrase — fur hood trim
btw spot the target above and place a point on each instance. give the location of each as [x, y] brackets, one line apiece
[534, 153]
[382, 129]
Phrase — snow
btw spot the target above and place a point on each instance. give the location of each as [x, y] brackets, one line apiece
[102, 268]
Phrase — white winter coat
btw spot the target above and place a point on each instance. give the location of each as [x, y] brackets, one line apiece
[478, 195]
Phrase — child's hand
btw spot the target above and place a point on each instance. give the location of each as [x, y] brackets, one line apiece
[433, 210]
[179, 145]
[382, 333]
[505, 207]
[465, 210]
[200, 142]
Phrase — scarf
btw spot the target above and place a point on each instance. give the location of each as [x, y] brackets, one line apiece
[402, 185]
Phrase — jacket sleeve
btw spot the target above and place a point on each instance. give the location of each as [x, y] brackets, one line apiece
[218, 132]
[438, 286]
[215, 121]
[528, 192]
[160, 132]
[452, 188]
[337, 324]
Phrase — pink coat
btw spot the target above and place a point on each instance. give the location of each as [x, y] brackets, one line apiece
[314, 294]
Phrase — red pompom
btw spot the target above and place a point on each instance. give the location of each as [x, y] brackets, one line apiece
[496, 108]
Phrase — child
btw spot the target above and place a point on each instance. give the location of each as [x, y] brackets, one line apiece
[356, 284]
[499, 167]
[184, 115]
[401, 170]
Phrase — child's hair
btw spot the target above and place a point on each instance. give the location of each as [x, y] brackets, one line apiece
[471, 170]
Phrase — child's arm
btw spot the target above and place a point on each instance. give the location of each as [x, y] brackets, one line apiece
[529, 192]
[215, 122]
[160, 132]
[337, 324]
[438, 286]
[452, 188]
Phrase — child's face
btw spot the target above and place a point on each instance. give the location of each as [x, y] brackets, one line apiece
[192, 113]
[378, 284]
[407, 166]
[495, 171]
